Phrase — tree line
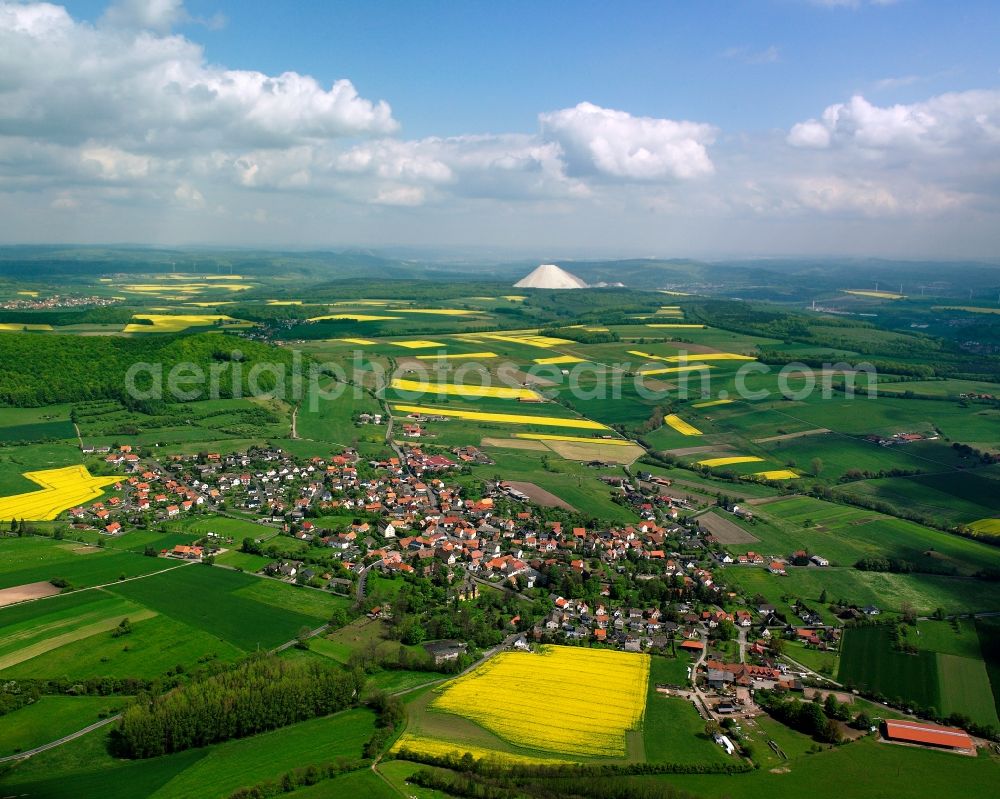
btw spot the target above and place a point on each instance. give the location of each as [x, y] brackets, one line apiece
[261, 694]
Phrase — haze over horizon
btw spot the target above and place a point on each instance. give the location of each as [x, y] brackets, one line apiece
[771, 128]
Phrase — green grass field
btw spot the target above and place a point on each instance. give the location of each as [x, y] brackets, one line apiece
[211, 600]
[82, 769]
[923, 592]
[672, 730]
[844, 535]
[863, 769]
[30, 560]
[34, 629]
[153, 647]
[50, 718]
[950, 683]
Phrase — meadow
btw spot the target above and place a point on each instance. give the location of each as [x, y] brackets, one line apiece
[50, 718]
[28, 560]
[213, 600]
[672, 730]
[83, 769]
[951, 683]
[845, 535]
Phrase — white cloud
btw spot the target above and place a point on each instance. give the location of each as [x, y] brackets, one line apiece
[110, 131]
[619, 145]
[769, 55]
[65, 81]
[831, 194]
[157, 15]
[947, 123]
[809, 134]
[403, 195]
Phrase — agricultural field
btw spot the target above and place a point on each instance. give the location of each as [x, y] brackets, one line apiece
[60, 489]
[50, 717]
[83, 769]
[951, 683]
[574, 677]
[30, 560]
[230, 605]
[844, 535]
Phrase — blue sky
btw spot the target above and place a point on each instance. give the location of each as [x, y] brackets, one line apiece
[909, 164]
[450, 68]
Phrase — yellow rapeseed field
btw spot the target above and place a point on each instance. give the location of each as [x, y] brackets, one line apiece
[701, 356]
[578, 439]
[469, 356]
[986, 526]
[457, 390]
[165, 323]
[530, 339]
[502, 418]
[677, 326]
[712, 403]
[61, 489]
[184, 288]
[437, 311]
[15, 327]
[558, 359]
[515, 297]
[710, 356]
[363, 342]
[733, 459]
[566, 700]
[418, 344]
[675, 369]
[436, 747]
[681, 426]
[966, 308]
[882, 295]
[777, 474]
[356, 317]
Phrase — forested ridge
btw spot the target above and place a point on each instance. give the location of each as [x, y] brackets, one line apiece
[46, 369]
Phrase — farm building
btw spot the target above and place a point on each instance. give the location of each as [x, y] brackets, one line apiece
[915, 732]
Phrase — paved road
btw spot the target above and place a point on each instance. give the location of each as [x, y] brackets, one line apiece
[65, 739]
[295, 640]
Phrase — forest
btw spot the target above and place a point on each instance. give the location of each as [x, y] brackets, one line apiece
[263, 693]
[43, 369]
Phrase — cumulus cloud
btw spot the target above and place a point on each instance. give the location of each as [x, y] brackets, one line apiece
[619, 145]
[947, 123]
[125, 122]
[68, 82]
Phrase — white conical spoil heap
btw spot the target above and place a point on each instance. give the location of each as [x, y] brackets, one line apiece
[550, 276]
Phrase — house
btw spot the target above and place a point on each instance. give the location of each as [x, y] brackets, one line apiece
[871, 610]
[187, 552]
[819, 561]
[444, 651]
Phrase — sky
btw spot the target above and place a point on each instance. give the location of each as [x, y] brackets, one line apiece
[550, 129]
